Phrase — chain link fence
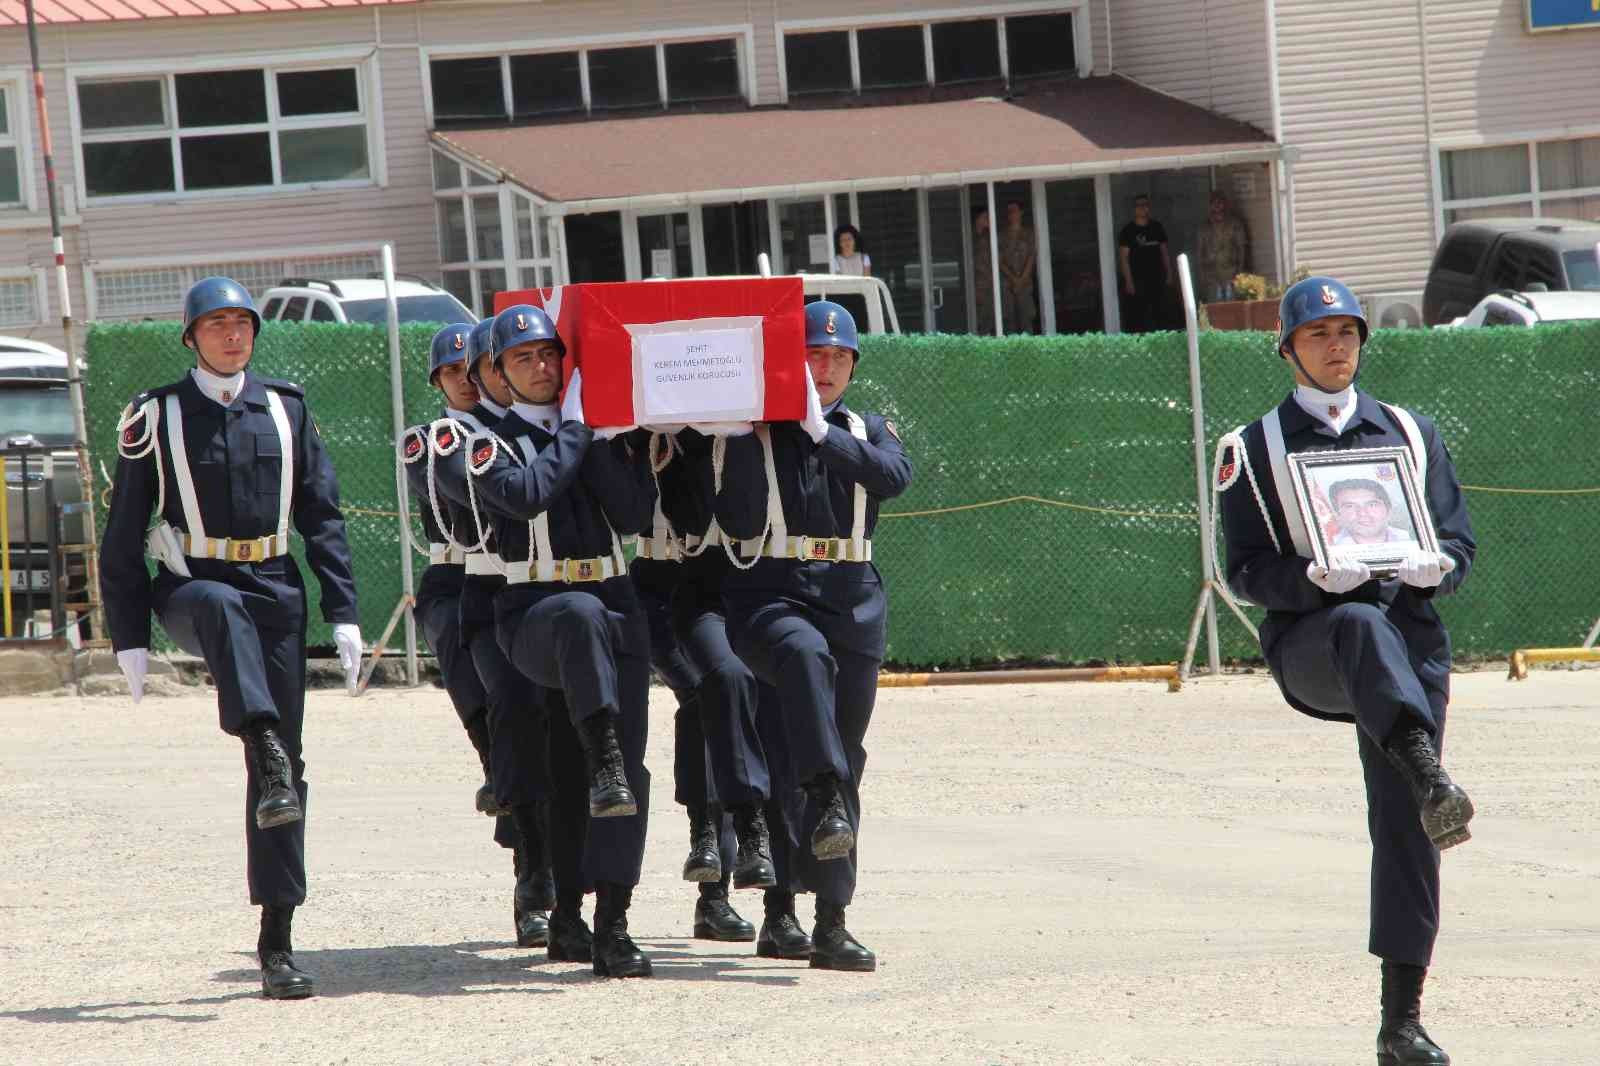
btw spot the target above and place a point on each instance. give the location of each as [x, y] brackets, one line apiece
[1053, 514]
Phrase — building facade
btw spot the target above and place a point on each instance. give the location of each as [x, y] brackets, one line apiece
[508, 144]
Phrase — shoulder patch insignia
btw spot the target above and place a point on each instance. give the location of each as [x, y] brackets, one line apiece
[1228, 464]
[136, 427]
[447, 436]
[484, 450]
[411, 445]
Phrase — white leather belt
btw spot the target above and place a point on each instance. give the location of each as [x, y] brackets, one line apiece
[695, 543]
[485, 564]
[562, 571]
[446, 554]
[657, 548]
[813, 549]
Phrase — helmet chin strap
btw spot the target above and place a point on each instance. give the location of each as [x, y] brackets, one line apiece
[206, 363]
[1314, 383]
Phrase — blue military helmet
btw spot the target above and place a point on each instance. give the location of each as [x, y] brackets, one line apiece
[449, 348]
[1314, 298]
[478, 344]
[216, 294]
[522, 324]
[827, 324]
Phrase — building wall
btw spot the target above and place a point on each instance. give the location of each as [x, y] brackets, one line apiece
[1352, 101]
[1211, 53]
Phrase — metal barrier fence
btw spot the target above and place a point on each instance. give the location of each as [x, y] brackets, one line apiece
[1053, 516]
[37, 574]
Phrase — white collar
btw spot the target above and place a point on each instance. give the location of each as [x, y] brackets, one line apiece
[218, 389]
[1332, 409]
[832, 407]
[546, 416]
[490, 406]
[459, 416]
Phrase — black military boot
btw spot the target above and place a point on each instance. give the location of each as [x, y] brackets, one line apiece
[833, 837]
[279, 803]
[615, 953]
[1402, 1041]
[484, 801]
[753, 867]
[570, 939]
[280, 979]
[715, 918]
[705, 856]
[832, 946]
[532, 898]
[1446, 810]
[609, 794]
[781, 934]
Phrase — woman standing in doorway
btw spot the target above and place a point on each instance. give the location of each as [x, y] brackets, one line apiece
[847, 255]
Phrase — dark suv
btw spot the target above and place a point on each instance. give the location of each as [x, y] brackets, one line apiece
[1518, 254]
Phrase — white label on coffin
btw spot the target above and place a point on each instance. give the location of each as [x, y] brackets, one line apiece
[698, 370]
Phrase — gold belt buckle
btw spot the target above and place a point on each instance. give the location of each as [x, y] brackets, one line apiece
[243, 550]
[583, 570]
[819, 549]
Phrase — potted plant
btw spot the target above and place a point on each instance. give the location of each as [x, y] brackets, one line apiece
[1255, 303]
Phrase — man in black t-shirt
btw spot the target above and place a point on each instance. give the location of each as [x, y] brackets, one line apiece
[1146, 268]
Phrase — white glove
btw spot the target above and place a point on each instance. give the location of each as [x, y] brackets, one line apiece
[607, 432]
[724, 429]
[1340, 575]
[347, 639]
[572, 402]
[813, 423]
[134, 664]
[1425, 570]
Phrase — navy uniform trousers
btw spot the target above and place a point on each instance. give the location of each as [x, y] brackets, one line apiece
[654, 582]
[256, 653]
[439, 612]
[589, 642]
[815, 632]
[1351, 660]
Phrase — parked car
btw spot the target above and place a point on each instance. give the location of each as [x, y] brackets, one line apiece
[1487, 255]
[36, 417]
[360, 300]
[1532, 308]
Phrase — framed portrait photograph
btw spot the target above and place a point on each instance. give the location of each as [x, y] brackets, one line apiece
[1366, 503]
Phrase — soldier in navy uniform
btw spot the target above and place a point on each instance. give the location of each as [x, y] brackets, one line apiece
[439, 608]
[657, 570]
[562, 495]
[809, 615]
[515, 716]
[227, 461]
[1350, 646]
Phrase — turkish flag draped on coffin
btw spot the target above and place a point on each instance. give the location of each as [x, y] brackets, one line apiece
[689, 350]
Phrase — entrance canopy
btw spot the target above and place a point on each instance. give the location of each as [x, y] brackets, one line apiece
[1061, 129]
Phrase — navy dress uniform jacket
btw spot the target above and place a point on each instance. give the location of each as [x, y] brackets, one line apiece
[1257, 572]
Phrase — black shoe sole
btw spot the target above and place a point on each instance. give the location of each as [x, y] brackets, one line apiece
[617, 804]
[1446, 824]
[639, 967]
[273, 819]
[703, 931]
[493, 811]
[297, 992]
[766, 949]
[559, 954]
[820, 962]
[758, 875]
[833, 846]
[701, 874]
[533, 940]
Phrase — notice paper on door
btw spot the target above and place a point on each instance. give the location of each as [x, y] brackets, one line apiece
[698, 370]
[819, 248]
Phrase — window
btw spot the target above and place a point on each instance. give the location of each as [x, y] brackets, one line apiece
[543, 84]
[295, 309]
[548, 84]
[158, 291]
[623, 78]
[478, 256]
[252, 128]
[1555, 178]
[1040, 46]
[10, 161]
[817, 62]
[892, 57]
[966, 51]
[19, 304]
[702, 70]
[1001, 46]
[322, 311]
[270, 311]
[1463, 252]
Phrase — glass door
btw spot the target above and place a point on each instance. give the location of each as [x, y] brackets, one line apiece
[803, 238]
[665, 246]
[949, 261]
[890, 236]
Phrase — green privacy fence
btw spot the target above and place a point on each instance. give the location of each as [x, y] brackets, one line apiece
[1053, 515]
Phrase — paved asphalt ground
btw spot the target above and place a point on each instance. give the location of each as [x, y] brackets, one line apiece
[1053, 874]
